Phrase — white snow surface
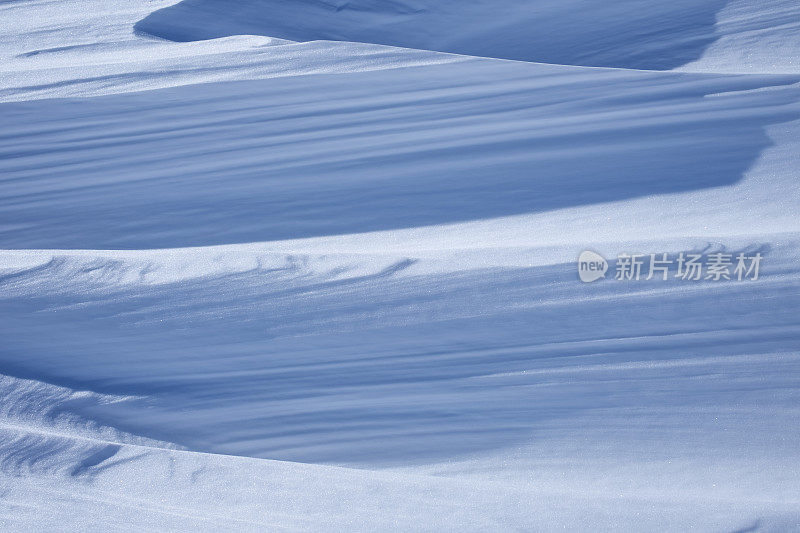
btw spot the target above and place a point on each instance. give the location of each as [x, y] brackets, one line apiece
[313, 266]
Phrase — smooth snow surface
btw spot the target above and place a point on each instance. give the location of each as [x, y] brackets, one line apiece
[642, 34]
[252, 283]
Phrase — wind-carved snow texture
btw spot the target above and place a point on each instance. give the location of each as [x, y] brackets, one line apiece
[283, 160]
[624, 33]
[248, 283]
[723, 35]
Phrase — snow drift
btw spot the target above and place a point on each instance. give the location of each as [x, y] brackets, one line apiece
[628, 33]
[333, 154]
[348, 296]
[638, 34]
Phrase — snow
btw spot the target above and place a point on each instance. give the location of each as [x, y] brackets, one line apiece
[283, 159]
[753, 37]
[625, 33]
[313, 267]
[727, 35]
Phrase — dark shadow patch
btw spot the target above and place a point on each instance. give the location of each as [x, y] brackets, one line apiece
[624, 33]
[94, 459]
[322, 155]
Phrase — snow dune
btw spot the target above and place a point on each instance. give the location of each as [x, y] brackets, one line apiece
[642, 34]
[513, 386]
[248, 283]
[306, 156]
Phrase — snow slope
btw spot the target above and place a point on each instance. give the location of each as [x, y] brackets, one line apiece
[626, 33]
[395, 148]
[643, 34]
[753, 37]
[53, 50]
[253, 284]
[512, 396]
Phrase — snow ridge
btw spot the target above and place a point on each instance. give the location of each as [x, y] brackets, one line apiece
[310, 265]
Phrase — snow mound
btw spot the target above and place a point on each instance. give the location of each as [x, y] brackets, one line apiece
[721, 35]
[649, 34]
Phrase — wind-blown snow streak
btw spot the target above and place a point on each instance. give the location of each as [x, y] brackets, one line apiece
[65, 73]
[334, 154]
[380, 325]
